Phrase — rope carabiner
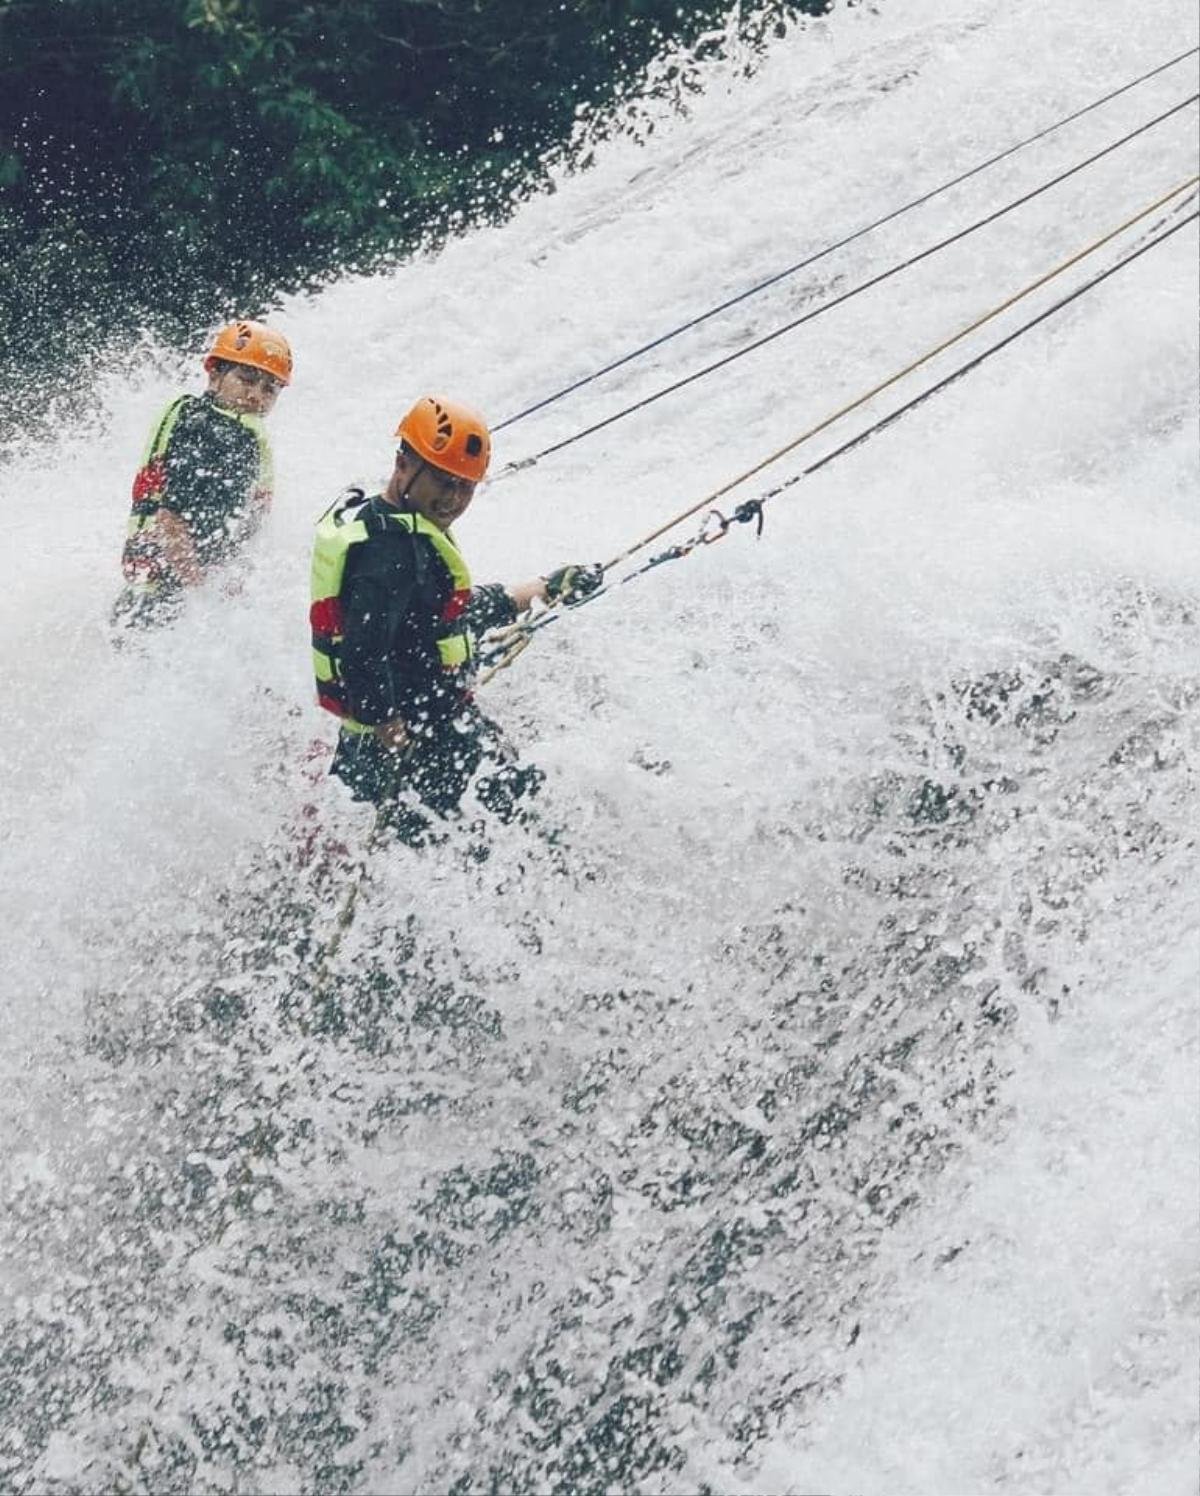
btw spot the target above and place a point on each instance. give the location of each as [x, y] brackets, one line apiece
[708, 535]
[752, 509]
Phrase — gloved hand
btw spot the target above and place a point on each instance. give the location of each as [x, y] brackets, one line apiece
[571, 584]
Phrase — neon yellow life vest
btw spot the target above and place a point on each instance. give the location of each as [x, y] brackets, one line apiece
[339, 528]
[150, 483]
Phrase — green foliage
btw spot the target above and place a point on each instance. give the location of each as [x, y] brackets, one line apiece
[164, 163]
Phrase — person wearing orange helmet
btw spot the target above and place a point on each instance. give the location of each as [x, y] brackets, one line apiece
[395, 616]
[205, 482]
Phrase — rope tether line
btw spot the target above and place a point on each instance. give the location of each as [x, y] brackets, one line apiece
[753, 508]
[980, 358]
[827, 306]
[829, 249]
[345, 915]
[510, 643]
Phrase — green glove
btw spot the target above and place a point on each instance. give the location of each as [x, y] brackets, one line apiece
[571, 584]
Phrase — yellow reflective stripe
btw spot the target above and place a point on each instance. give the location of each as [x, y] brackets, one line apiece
[451, 555]
[266, 463]
[443, 543]
[335, 535]
[333, 542]
[329, 554]
[160, 434]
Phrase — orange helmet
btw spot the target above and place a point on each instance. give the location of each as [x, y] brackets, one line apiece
[448, 435]
[253, 343]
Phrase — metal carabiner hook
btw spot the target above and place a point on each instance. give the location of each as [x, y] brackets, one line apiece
[707, 536]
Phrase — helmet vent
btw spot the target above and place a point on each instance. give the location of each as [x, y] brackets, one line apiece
[445, 429]
[451, 436]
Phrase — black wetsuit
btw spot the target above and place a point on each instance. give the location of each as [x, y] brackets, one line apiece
[393, 600]
[212, 468]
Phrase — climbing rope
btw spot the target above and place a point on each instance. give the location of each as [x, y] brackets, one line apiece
[850, 238]
[717, 525]
[507, 645]
[345, 914]
[806, 317]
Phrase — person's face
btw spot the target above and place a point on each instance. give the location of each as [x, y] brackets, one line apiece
[243, 389]
[437, 495]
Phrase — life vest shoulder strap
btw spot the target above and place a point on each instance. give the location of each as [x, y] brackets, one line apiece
[160, 432]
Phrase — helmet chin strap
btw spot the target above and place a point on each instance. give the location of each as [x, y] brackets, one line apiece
[422, 464]
[402, 498]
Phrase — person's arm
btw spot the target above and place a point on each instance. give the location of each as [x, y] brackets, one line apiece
[174, 542]
[525, 594]
[494, 605]
[164, 546]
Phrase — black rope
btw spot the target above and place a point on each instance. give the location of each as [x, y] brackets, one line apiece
[753, 508]
[831, 248]
[746, 513]
[923, 254]
[987, 353]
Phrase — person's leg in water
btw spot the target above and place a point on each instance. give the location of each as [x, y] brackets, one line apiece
[444, 758]
[430, 774]
[364, 766]
[503, 791]
[435, 770]
[139, 611]
[376, 774]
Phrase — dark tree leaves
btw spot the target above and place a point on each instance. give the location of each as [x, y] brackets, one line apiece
[164, 163]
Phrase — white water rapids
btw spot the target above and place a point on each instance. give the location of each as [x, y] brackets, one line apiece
[821, 1113]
